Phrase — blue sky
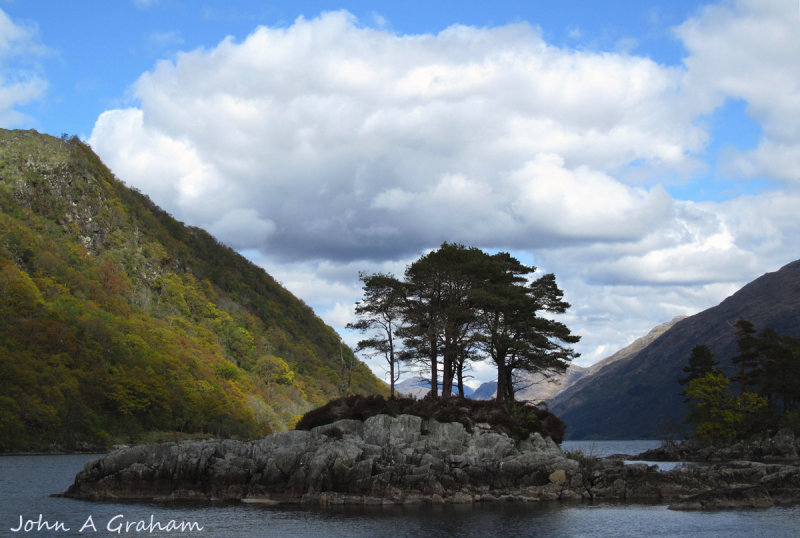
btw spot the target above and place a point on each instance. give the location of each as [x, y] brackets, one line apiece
[644, 151]
[91, 61]
[96, 50]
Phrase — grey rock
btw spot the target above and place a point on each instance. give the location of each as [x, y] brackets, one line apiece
[400, 459]
[409, 460]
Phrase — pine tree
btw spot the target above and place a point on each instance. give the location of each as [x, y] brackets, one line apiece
[701, 362]
[379, 312]
[747, 361]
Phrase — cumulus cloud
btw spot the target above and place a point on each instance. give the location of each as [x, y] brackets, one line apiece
[20, 81]
[750, 50]
[327, 147]
[360, 143]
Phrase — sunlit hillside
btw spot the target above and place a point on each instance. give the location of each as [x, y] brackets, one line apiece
[118, 323]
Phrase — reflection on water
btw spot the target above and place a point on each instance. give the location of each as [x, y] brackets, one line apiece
[27, 481]
[601, 449]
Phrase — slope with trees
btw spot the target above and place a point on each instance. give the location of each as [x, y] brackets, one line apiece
[609, 404]
[117, 321]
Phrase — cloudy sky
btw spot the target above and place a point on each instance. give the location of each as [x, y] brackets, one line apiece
[646, 152]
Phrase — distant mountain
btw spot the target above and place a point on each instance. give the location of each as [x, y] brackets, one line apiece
[536, 388]
[117, 321]
[638, 396]
[635, 347]
[418, 387]
[540, 389]
[486, 391]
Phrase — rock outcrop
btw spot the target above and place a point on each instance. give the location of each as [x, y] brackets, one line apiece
[784, 446]
[743, 484]
[400, 459]
[408, 459]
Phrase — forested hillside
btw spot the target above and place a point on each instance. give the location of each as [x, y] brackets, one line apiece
[117, 321]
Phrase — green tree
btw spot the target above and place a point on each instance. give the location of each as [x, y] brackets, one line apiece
[19, 295]
[462, 304]
[720, 416]
[701, 362]
[379, 313]
[439, 311]
[274, 369]
[779, 371]
[747, 361]
[513, 333]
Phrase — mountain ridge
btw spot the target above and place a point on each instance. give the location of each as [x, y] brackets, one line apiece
[640, 397]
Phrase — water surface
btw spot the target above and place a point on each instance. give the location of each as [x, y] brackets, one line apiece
[26, 483]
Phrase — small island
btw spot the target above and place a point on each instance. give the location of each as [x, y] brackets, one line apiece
[484, 453]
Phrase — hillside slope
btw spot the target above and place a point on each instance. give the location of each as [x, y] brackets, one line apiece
[639, 397]
[117, 320]
[546, 390]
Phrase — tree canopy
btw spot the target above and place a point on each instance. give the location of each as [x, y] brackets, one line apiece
[766, 372]
[457, 305]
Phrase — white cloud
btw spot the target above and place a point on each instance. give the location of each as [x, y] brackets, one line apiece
[347, 148]
[750, 50]
[20, 81]
[242, 228]
[358, 142]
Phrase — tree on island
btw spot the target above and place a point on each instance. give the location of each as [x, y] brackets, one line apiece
[379, 312]
[767, 374]
[458, 305]
[747, 361]
[701, 362]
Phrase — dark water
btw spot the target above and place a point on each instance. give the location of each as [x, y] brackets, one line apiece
[607, 448]
[26, 483]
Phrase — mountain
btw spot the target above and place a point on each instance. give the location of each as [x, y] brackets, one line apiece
[636, 346]
[536, 388]
[486, 391]
[117, 321]
[418, 387]
[638, 397]
[540, 389]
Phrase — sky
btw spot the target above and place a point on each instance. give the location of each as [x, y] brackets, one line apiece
[646, 152]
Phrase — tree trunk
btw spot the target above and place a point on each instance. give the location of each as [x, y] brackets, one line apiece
[447, 376]
[434, 393]
[391, 379]
[501, 381]
[509, 386]
[391, 364]
[460, 373]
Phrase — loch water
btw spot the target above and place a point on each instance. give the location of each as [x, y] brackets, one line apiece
[27, 509]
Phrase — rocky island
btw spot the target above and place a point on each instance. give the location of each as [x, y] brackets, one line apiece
[408, 459]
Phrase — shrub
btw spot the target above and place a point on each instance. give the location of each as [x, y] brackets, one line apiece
[518, 420]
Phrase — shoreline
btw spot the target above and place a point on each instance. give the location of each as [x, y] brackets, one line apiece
[407, 460]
